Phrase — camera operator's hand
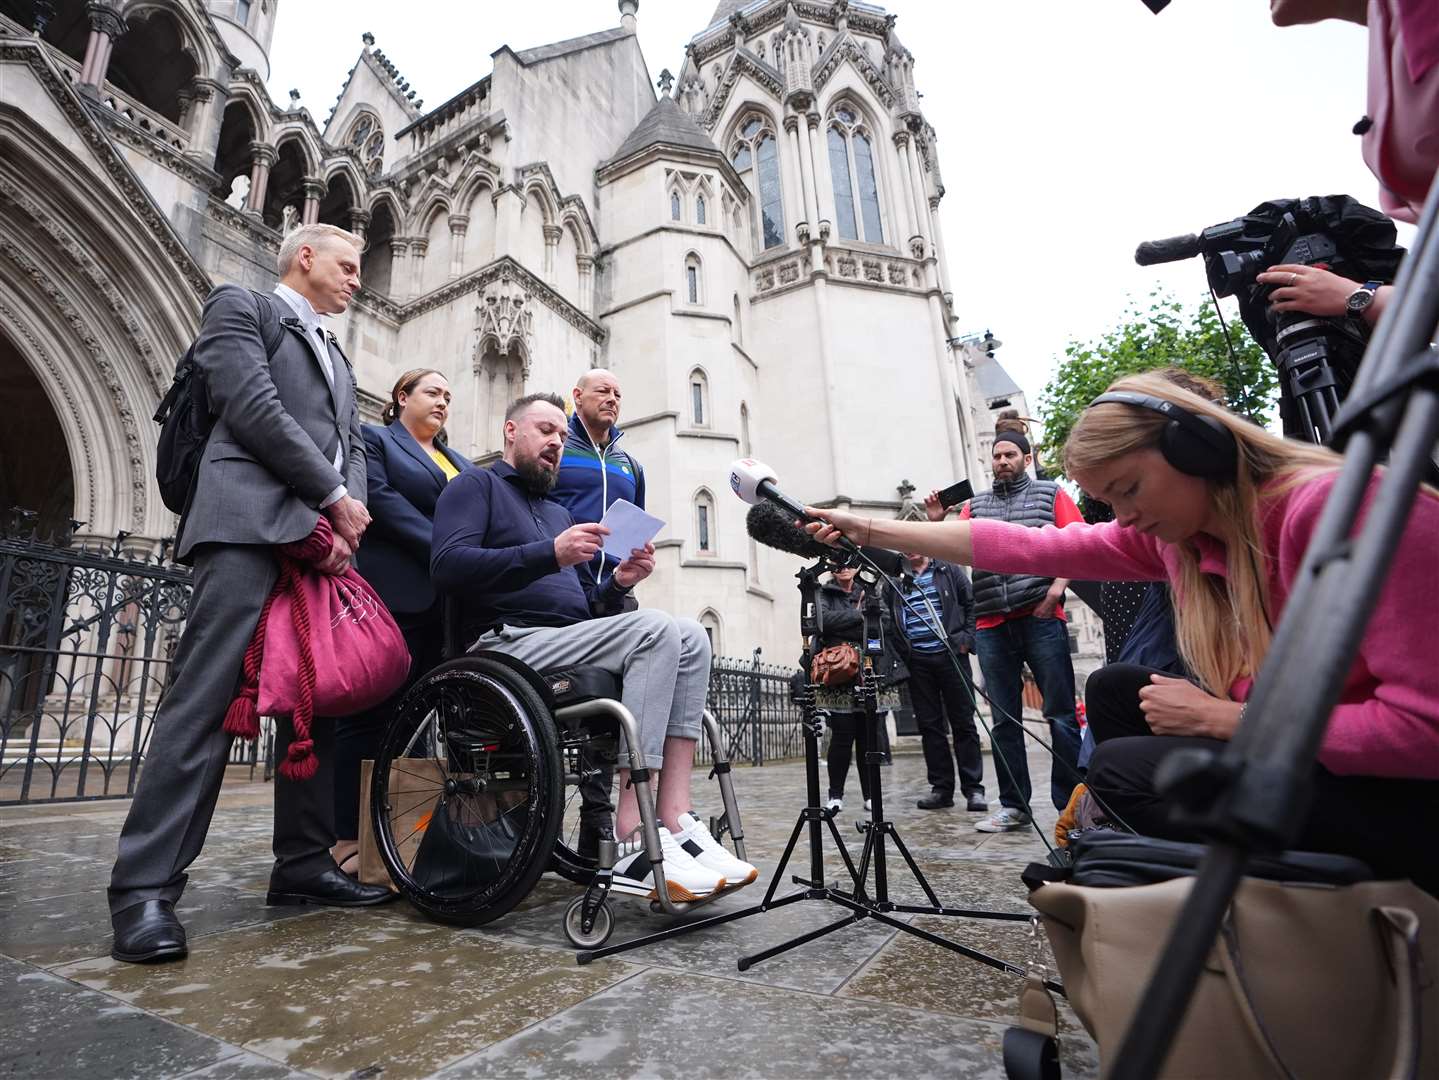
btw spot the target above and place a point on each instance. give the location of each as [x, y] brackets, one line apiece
[934, 510]
[579, 543]
[1317, 292]
[640, 565]
[1178, 707]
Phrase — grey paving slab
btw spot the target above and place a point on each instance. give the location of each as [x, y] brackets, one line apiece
[244, 1066]
[49, 1027]
[343, 991]
[738, 1029]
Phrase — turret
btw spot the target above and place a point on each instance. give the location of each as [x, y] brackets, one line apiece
[247, 27]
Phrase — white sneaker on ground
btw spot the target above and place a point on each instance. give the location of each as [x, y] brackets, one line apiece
[1005, 819]
[867, 806]
[834, 804]
[695, 838]
[685, 879]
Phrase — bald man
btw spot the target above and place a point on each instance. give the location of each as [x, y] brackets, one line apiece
[594, 471]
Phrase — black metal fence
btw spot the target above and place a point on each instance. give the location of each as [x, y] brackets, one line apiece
[88, 631]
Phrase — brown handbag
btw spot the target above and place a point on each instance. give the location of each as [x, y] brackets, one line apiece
[1305, 981]
[835, 666]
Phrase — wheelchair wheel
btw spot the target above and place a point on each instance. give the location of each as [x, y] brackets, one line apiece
[466, 792]
[590, 759]
[603, 927]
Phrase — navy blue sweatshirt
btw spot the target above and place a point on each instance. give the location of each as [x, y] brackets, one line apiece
[494, 548]
[590, 479]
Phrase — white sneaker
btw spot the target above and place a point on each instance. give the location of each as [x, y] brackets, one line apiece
[1005, 819]
[834, 805]
[685, 879]
[694, 836]
[867, 806]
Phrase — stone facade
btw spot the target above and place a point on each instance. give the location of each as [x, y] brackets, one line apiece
[755, 252]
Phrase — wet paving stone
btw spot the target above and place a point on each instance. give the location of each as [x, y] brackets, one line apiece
[50, 1027]
[343, 991]
[768, 1032]
[280, 993]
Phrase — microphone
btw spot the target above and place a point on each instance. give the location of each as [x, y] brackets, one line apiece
[767, 524]
[1172, 249]
[753, 480]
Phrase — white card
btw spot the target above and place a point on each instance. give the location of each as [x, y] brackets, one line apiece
[630, 528]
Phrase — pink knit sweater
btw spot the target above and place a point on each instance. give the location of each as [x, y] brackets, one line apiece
[1387, 722]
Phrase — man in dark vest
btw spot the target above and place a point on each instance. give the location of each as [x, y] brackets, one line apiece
[1019, 619]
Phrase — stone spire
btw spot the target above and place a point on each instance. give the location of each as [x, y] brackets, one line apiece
[627, 15]
[794, 60]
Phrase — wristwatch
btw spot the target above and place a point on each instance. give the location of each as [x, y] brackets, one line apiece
[1362, 297]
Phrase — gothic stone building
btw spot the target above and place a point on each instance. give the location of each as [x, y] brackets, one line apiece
[755, 252]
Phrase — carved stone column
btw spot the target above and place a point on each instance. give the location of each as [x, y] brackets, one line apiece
[262, 156]
[314, 189]
[459, 226]
[399, 279]
[901, 146]
[823, 182]
[552, 244]
[106, 24]
[586, 264]
[202, 119]
[799, 164]
[359, 221]
[418, 250]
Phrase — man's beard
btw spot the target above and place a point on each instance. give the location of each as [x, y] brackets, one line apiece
[538, 477]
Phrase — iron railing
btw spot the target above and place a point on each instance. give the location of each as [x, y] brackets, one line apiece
[88, 631]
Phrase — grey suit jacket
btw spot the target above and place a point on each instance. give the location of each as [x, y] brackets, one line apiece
[268, 464]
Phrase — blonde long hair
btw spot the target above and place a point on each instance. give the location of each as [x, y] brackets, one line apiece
[1223, 625]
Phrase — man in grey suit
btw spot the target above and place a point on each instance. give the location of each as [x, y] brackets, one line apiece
[285, 448]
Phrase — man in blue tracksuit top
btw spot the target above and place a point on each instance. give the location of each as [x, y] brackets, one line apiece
[595, 471]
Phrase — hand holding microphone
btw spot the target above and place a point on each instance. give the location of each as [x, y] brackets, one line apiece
[836, 527]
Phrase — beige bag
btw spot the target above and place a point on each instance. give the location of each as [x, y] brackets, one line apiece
[1306, 981]
[410, 789]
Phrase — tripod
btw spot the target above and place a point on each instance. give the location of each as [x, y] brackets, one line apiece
[814, 820]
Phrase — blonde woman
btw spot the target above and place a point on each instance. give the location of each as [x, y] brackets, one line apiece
[1223, 511]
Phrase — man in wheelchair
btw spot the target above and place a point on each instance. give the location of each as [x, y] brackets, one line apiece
[509, 554]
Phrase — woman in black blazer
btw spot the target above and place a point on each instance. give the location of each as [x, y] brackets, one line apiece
[408, 465]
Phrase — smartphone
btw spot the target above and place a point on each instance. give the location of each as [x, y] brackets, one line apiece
[956, 494]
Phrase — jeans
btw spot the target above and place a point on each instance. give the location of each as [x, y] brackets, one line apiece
[1003, 650]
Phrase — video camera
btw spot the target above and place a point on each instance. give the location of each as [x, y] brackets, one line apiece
[1317, 356]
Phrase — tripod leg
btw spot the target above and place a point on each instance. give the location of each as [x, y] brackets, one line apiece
[747, 962]
[913, 866]
[844, 854]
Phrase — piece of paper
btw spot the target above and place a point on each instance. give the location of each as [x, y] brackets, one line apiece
[630, 528]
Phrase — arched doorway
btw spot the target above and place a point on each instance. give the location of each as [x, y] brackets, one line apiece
[35, 473]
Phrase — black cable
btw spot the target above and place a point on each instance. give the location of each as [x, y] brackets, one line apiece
[1004, 714]
[1228, 341]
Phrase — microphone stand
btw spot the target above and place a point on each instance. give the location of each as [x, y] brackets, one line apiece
[814, 819]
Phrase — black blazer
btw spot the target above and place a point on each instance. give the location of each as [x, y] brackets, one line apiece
[404, 484]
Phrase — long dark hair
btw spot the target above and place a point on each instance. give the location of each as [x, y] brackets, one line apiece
[406, 385]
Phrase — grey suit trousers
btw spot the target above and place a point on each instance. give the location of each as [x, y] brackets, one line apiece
[185, 762]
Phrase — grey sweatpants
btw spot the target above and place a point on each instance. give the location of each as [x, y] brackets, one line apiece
[664, 664]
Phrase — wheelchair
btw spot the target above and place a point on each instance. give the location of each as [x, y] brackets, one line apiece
[492, 773]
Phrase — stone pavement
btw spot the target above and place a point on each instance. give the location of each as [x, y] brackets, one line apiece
[290, 992]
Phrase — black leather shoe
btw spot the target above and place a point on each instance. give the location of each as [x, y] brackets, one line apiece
[935, 800]
[331, 888]
[977, 804]
[148, 933]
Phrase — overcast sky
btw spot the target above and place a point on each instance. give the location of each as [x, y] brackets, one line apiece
[1069, 130]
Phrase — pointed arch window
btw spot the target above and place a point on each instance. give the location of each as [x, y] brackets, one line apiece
[856, 186]
[704, 523]
[710, 620]
[674, 206]
[755, 156]
[699, 210]
[367, 139]
[699, 398]
[694, 280]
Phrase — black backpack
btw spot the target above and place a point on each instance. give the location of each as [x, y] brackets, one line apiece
[186, 421]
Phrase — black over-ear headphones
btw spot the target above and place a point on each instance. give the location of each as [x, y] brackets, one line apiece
[1193, 444]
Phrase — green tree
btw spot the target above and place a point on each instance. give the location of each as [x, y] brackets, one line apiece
[1164, 335]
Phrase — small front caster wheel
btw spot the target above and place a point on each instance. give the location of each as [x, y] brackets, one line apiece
[598, 934]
